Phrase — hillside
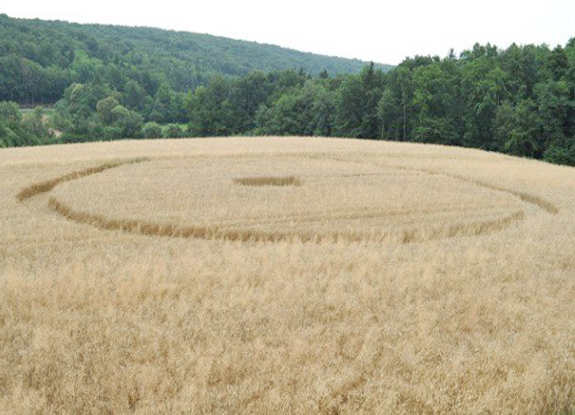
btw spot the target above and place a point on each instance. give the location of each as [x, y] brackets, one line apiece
[39, 59]
[109, 82]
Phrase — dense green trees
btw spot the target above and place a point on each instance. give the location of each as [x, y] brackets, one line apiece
[357, 102]
[293, 113]
[152, 130]
[114, 82]
[519, 101]
[39, 60]
[93, 74]
[22, 130]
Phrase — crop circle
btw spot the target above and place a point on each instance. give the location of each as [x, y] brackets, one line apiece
[258, 198]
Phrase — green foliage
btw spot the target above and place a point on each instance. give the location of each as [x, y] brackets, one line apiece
[34, 127]
[519, 101]
[173, 131]
[523, 130]
[152, 130]
[247, 95]
[10, 114]
[128, 122]
[293, 113]
[104, 107]
[560, 155]
[357, 104]
[396, 108]
[211, 110]
[39, 59]
[167, 105]
[17, 130]
[86, 71]
[8, 133]
[116, 82]
[435, 101]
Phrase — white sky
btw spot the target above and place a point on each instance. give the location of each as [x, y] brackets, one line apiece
[381, 31]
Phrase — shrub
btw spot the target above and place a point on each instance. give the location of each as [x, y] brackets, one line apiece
[173, 131]
[560, 155]
[152, 130]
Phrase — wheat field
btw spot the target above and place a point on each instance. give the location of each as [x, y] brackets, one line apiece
[285, 275]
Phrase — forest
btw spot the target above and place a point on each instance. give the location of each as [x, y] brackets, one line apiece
[107, 82]
[519, 101]
[40, 59]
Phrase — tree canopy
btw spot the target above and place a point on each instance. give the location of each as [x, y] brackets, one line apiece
[110, 82]
[40, 59]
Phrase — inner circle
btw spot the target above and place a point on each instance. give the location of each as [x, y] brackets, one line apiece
[268, 181]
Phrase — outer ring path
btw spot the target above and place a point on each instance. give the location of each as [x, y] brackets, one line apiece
[149, 228]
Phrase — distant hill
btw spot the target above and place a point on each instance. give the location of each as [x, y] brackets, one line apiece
[39, 59]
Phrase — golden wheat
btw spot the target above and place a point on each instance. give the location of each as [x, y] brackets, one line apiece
[284, 275]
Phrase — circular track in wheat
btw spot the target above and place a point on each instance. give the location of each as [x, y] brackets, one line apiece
[277, 197]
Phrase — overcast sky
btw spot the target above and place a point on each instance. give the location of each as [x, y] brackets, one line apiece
[380, 31]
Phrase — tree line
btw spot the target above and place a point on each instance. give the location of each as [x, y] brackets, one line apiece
[520, 100]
